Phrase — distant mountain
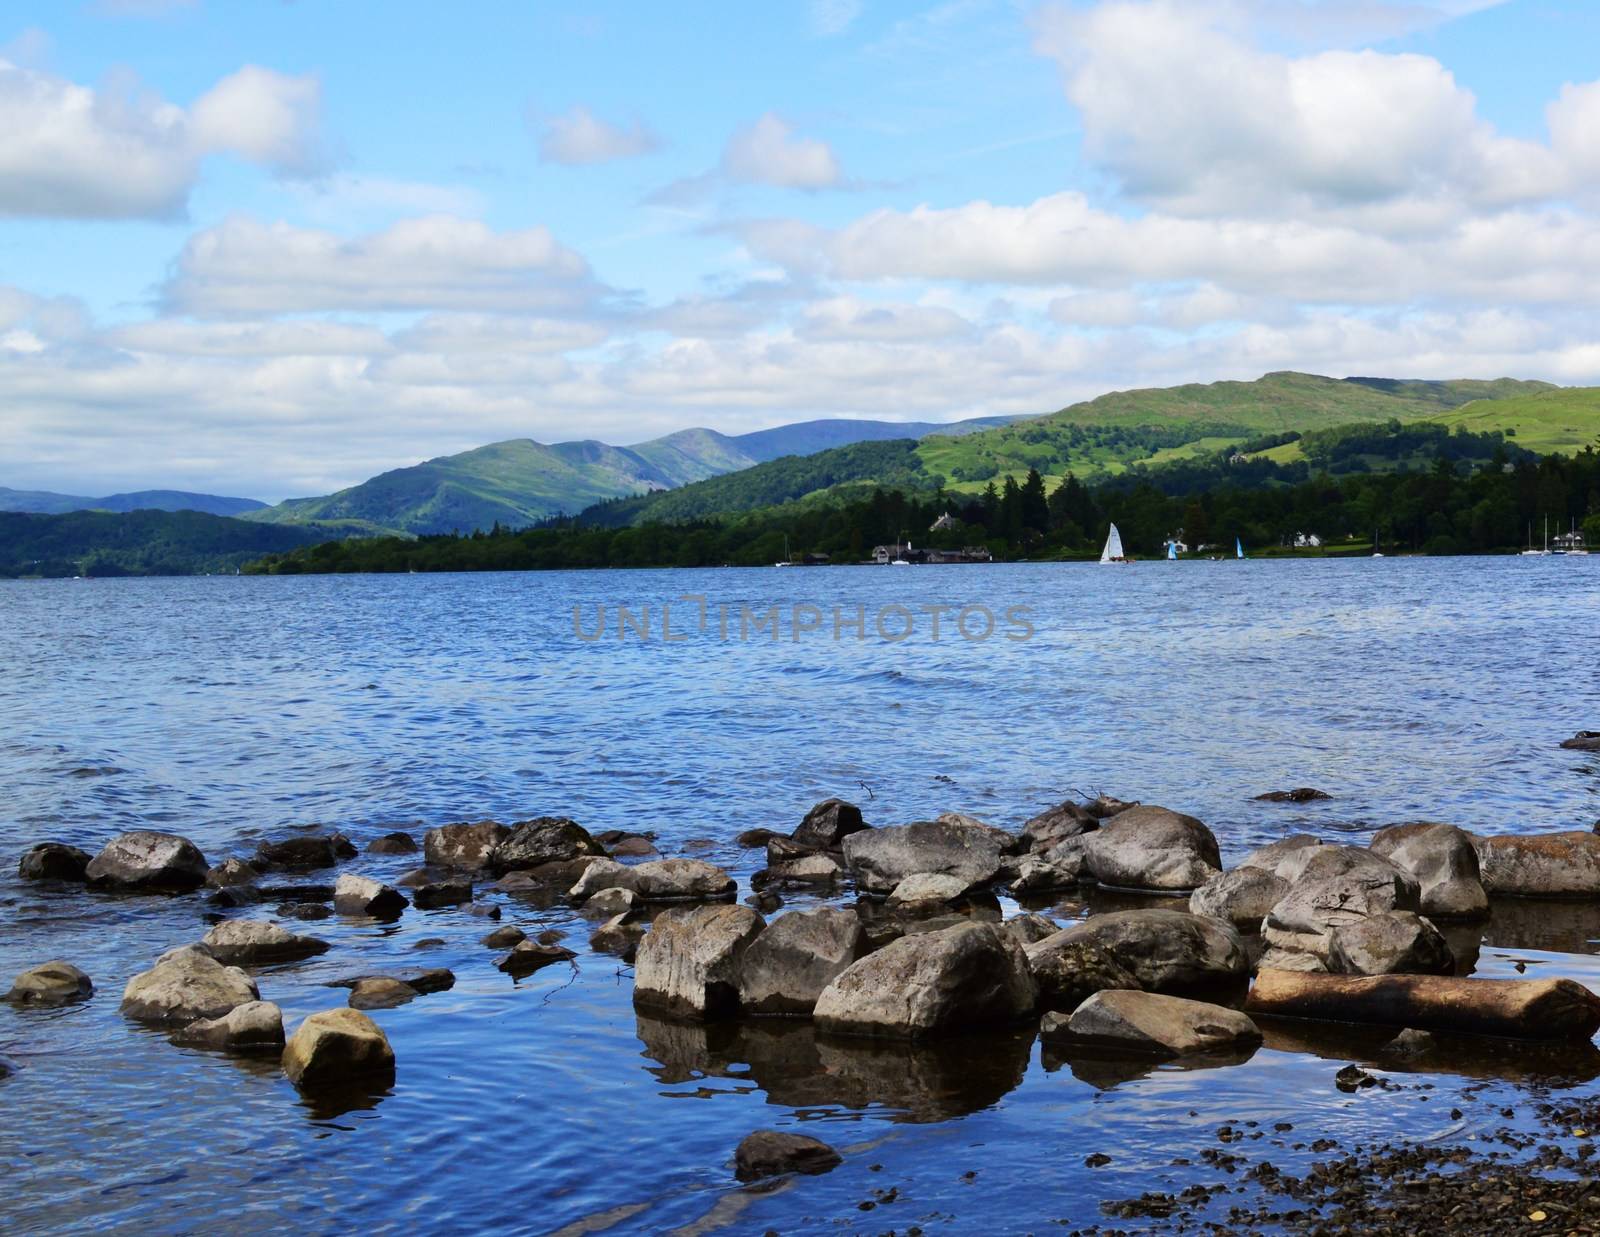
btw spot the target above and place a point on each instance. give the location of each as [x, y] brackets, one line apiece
[141, 542]
[46, 503]
[520, 481]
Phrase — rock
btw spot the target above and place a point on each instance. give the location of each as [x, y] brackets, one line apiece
[441, 893]
[1393, 943]
[397, 843]
[53, 861]
[551, 936]
[361, 895]
[526, 957]
[1410, 1044]
[1583, 741]
[423, 979]
[1056, 824]
[1541, 865]
[246, 942]
[1162, 951]
[1149, 1024]
[688, 966]
[807, 870]
[1242, 897]
[1026, 929]
[1444, 862]
[1540, 1009]
[618, 935]
[1337, 885]
[184, 985]
[469, 847]
[504, 938]
[769, 1153]
[966, 976]
[303, 910]
[611, 902]
[1273, 959]
[781, 850]
[148, 862]
[1070, 970]
[753, 839]
[880, 859]
[1152, 848]
[232, 872]
[634, 848]
[828, 824]
[304, 852]
[926, 891]
[51, 983]
[335, 1047]
[659, 880]
[1284, 858]
[381, 992]
[1304, 794]
[1035, 875]
[255, 1026]
[1102, 807]
[786, 967]
[548, 839]
[482, 910]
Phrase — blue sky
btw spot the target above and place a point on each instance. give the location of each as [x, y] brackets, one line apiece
[272, 248]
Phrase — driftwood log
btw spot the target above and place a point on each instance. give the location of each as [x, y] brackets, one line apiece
[1540, 1009]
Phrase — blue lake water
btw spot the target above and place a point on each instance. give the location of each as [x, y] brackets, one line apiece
[226, 709]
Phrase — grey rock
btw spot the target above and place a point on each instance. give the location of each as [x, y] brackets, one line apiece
[1444, 862]
[1152, 848]
[659, 880]
[396, 843]
[53, 861]
[618, 935]
[51, 983]
[232, 872]
[547, 839]
[184, 985]
[150, 862]
[302, 852]
[612, 902]
[1393, 943]
[381, 992]
[1541, 865]
[880, 859]
[1583, 741]
[1056, 824]
[1164, 951]
[1337, 885]
[754, 839]
[361, 895]
[1284, 858]
[1026, 929]
[826, 825]
[1071, 969]
[689, 964]
[255, 1026]
[469, 847]
[423, 979]
[1242, 897]
[435, 894]
[246, 942]
[1035, 874]
[303, 910]
[796, 956]
[1102, 807]
[1151, 1025]
[1274, 959]
[926, 891]
[635, 847]
[336, 1047]
[526, 957]
[966, 976]
[1302, 794]
[770, 1153]
[505, 938]
[806, 870]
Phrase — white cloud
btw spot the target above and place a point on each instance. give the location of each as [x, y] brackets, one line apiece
[173, 337]
[120, 151]
[831, 17]
[580, 137]
[769, 153]
[454, 333]
[244, 267]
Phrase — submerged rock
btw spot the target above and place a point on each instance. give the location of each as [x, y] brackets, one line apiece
[1302, 794]
[970, 975]
[186, 984]
[396, 843]
[547, 839]
[51, 983]
[144, 861]
[1152, 848]
[1242, 897]
[423, 979]
[335, 1047]
[504, 938]
[1163, 951]
[1444, 863]
[381, 992]
[796, 956]
[880, 859]
[618, 935]
[689, 964]
[236, 942]
[1541, 865]
[255, 1026]
[826, 825]
[469, 847]
[303, 853]
[1583, 741]
[1149, 1024]
[526, 957]
[659, 880]
[231, 872]
[435, 894]
[769, 1153]
[53, 861]
[1395, 942]
[361, 895]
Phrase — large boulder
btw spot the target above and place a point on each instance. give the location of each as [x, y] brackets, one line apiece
[880, 859]
[547, 839]
[1162, 951]
[1444, 862]
[53, 861]
[1242, 897]
[335, 1047]
[186, 984]
[826, 826]
[690, 963]
[1151, 1025]
[52, 983]
[148, 862]
[1393, 943]
[1069, 970]
[659, 880]
[255, 1026]
[1284, 858]
[787, 966]
[1152, 848]
[768, 1153]
[303, 852]
[466, 846]
[1056, 824]
[966, 976]
[250, 942]
[1337, 885]
[1026, 929]
[1541, 865]
[361, 895]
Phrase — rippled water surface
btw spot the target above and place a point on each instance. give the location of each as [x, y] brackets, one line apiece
[227, 709]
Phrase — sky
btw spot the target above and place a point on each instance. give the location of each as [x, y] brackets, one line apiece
[273, 247]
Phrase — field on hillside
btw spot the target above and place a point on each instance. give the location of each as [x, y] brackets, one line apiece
[1565, 420]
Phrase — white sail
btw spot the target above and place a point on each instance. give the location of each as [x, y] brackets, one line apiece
[1113, 550]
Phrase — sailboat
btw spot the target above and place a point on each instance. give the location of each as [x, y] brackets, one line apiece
[1238, 548]
[1113, 551]
[787, 561]
[1530, 552]
[1172, 551]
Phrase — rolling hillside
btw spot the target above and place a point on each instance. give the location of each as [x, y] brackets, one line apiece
[43, 502]
[141, 542]
[1565, 419]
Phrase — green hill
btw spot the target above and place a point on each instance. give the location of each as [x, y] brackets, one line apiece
[44, 502]
[143, 542]
[1565, 419]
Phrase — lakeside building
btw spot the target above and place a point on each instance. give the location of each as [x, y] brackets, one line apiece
[903, 551]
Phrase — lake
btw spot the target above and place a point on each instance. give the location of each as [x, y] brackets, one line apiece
[230, 709]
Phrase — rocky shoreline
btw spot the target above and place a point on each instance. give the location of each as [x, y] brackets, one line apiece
[904, 941]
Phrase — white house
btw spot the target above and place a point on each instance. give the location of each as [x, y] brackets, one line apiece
[1307, 541]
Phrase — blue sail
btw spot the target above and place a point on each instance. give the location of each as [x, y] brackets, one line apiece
[1172, 549]
[1238, 548]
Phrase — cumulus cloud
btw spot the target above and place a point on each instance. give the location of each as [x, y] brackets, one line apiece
[244, 267]
[122, 152]
[768, 152]
[580, 137]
